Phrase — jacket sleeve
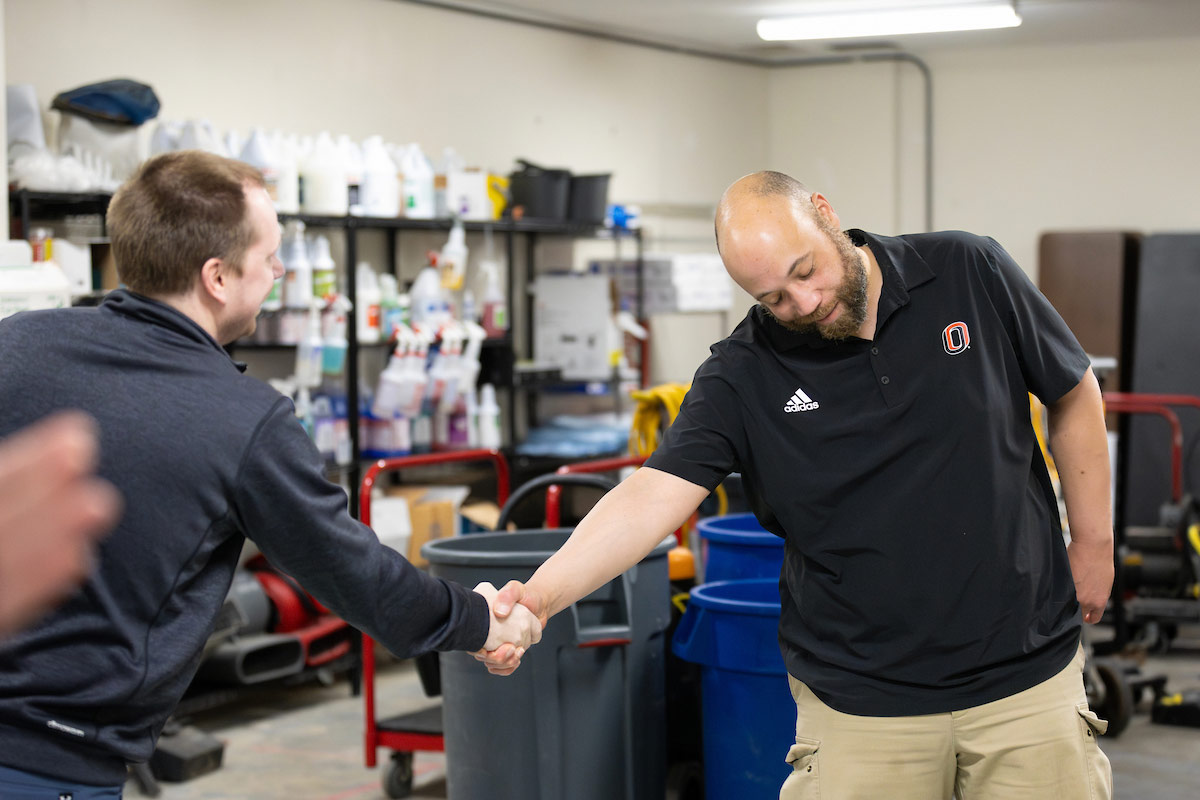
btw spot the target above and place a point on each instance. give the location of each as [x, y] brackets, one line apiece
[301, 523]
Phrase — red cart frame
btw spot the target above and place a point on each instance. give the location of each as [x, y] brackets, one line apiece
[401, 740]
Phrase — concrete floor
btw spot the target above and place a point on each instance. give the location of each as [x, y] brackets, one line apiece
[306, 742]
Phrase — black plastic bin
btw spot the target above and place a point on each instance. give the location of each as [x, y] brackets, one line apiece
[540, 192]
[589, 198]
[584, 716]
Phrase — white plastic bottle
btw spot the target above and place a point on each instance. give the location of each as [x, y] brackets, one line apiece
[427, 300]
[297, 277]
[489, 418]
[418, 183]
[333, 349]
[165, 138]
[394, 382]
[308, 352]
[323, 177]
[352, 160]
[287, 188]
[451, 162]
[323, 268]
[380, 189]
[366, 305]
[259, 153]
[390, 318]
[453, 259]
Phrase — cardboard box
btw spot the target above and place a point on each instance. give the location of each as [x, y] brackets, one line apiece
[433, 514]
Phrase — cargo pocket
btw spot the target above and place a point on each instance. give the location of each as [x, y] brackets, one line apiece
[1099, 771]
[804, 782]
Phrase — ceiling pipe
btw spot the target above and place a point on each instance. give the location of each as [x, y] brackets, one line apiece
[752, 61]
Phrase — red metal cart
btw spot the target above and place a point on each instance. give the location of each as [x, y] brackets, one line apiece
[408, 733]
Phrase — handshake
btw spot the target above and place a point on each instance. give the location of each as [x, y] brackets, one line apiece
[514, 628]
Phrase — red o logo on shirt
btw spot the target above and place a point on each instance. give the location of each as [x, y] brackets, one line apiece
[956, 338]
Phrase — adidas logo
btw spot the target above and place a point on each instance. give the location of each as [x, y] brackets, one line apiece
[801, 402]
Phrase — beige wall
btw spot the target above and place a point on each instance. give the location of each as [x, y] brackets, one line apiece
[1085, 136]
[670, 127]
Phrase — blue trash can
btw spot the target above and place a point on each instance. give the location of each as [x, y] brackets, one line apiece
[736, 547]
[731, 630]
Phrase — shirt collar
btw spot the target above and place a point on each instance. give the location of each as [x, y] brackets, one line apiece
[903, 269]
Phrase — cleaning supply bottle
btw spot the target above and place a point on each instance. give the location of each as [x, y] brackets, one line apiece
[304, 410]
[427, 299]
[394, 382]
[380, 189]
[333, 348]
[367, 304]
[489, 418]
[257, 152]
[308, 351]
[418, 183]
[495, 306]
[323, 268]
[352, 160]
[451, 162]
[287, 188]
[389, 306]
[453, 259]
[323, 179]
[297, 276]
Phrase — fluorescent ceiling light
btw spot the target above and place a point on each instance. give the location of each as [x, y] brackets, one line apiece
[921, 16]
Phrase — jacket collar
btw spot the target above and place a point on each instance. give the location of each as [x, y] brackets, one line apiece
[145, 309]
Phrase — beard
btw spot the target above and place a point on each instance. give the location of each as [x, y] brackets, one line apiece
[851, 293]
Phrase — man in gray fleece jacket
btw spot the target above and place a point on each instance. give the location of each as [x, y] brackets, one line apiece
[205, 457]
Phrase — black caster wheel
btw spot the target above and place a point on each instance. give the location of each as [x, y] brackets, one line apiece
[685, 781]
[1116, 704]
[398, 776]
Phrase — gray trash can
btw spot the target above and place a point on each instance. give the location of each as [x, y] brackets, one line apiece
[585, 715]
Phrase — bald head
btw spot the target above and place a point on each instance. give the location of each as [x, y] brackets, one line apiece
[752, 190]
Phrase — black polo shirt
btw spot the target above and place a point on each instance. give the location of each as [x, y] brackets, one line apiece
[924, 567]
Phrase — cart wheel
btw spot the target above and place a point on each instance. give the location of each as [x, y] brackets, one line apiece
[685, 781]
[1117, 705]
[398, 775]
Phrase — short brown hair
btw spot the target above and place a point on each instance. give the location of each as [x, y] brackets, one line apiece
[176, 212]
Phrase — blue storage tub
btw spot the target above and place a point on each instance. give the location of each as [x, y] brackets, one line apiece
[731, 630]
[736, 547]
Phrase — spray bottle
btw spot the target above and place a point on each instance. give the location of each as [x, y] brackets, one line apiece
[333, 350]
[495, 307]
[453, 259]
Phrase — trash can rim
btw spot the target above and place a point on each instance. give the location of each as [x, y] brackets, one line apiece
[707, 595]
[717, 529]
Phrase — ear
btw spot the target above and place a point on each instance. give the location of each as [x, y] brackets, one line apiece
[825, 209]
[214, 280]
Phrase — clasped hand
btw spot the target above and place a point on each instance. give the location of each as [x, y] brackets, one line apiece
[518, 629]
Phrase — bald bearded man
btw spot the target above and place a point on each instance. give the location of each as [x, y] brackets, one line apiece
[875, 401]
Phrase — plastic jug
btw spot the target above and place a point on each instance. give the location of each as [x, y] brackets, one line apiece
[380, 188]
[323, 179]
[418, 183]
[352, 160]
[258, 152]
